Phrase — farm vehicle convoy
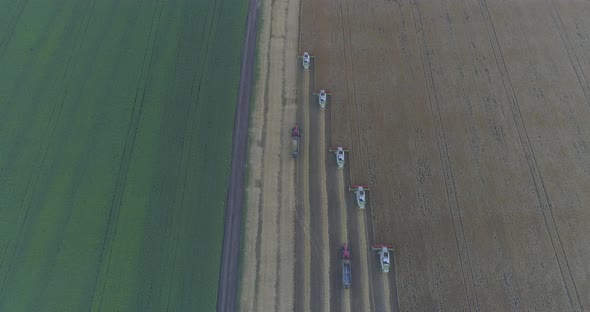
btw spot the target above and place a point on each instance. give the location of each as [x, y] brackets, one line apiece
[383, 250]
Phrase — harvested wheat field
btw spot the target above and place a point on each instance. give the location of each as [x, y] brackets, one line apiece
[469, 121]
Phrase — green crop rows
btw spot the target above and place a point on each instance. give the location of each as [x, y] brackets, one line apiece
[115, 138]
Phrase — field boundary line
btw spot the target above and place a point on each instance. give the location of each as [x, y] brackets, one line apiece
[250, 176]
[445, 162]
[228, 273]
[529, 155]
[324, 211]
[265, 101]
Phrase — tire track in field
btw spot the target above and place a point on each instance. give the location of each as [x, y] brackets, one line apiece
[13, 154]
[181, 170]
[25, 72]
[249, 283]
[349, 89]
[265, 101]
[81, 165]
[449, 179]
[271, 214]
[529, 154]
[316, 268]
[325, 251]
[50, 126]
[286, 279]
[386, 291]
[184, 162]
[361, 156]
[259, 296]
[305, 220]
[365, 282]
[14, 19]
[127, 153]
[368, 298]
[363, 250]
[580, 75]
[345, 298]
[283, 200]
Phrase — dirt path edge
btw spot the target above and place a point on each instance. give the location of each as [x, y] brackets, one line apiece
[228, 273]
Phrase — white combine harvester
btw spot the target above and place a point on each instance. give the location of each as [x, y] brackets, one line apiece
[359, 191]
[384, 255]
[339, 152]
[322, 97]
[306, 59]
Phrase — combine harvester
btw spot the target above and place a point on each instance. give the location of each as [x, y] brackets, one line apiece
[306, 59]
[384, 255]
[359, 190]
[339, 152]
[295, 135]
[322, 97]
[346, 273]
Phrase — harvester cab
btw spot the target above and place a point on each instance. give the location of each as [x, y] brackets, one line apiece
[322, 97]
[339, 152]
[306, 59]
[359, 190]
[384, 255]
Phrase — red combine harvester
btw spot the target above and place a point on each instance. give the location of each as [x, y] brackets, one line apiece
[295, 135]
[346, 274]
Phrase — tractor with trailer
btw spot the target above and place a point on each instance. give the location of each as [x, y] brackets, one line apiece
[346, 273]
[339, 152]
[384, 255]
[295, 135]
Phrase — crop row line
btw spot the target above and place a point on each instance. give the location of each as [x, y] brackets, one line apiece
[33, 180]
[529, 154]
[128, 148]
[449, 180]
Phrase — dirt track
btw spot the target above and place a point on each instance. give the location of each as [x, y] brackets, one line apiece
[268, 263]
[468, 120]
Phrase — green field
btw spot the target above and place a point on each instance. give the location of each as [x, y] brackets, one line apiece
[115, 138]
